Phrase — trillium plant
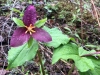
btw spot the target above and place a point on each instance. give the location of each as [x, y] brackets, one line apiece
[22, 34]
[24, 41]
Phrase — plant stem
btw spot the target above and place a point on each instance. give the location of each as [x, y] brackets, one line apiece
[90, 54]
[40, 60]
[72, 67]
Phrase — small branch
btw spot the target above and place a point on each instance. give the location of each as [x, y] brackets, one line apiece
[95, 10]
[13, 7]
[81, 11]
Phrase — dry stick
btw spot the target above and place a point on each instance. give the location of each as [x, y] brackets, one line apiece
[60, 70]
[3, 63]
[95, 10]
[2, 45]
[13, 7]
[9, 34]
[81, 11]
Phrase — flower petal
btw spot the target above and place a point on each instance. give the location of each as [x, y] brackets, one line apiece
[30, 15]
[41, 35]
[19, 37]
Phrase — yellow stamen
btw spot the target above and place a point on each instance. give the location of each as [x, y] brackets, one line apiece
[30, 29]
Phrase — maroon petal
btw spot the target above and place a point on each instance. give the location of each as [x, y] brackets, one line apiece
[41, 35]
[30, 15]
[19, 37]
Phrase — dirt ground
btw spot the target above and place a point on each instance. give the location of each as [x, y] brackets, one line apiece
[7, 26]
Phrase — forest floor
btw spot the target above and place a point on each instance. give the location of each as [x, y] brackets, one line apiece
[83, 27]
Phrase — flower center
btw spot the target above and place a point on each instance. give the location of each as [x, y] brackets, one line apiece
[30, 29]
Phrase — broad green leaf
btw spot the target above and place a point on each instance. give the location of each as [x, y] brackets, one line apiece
[18, 22]
[84, 52]
[58, 37]
[40, 22]
[70, 51]
[96, 70]
[17, 56]
[84, 64]
[67, 51]
[86, 73]
[91, 72]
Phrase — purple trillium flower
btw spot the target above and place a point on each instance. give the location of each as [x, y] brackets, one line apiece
[22, 34]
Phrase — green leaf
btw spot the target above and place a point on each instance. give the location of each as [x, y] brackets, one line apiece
[84, 64]
[21, 14]
[92, 46]
[65, 52]
[30, 41]
[96, 70]
[68, 29]
[58, 37]
[18, 22]
[17, 56]
[40, 22]
[77, 36]
[70, 51]
[16, 10]
[84, 52]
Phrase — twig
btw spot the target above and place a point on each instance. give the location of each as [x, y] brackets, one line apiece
[9, 34]
[95, 10]
[81, 11]
[13, 7]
